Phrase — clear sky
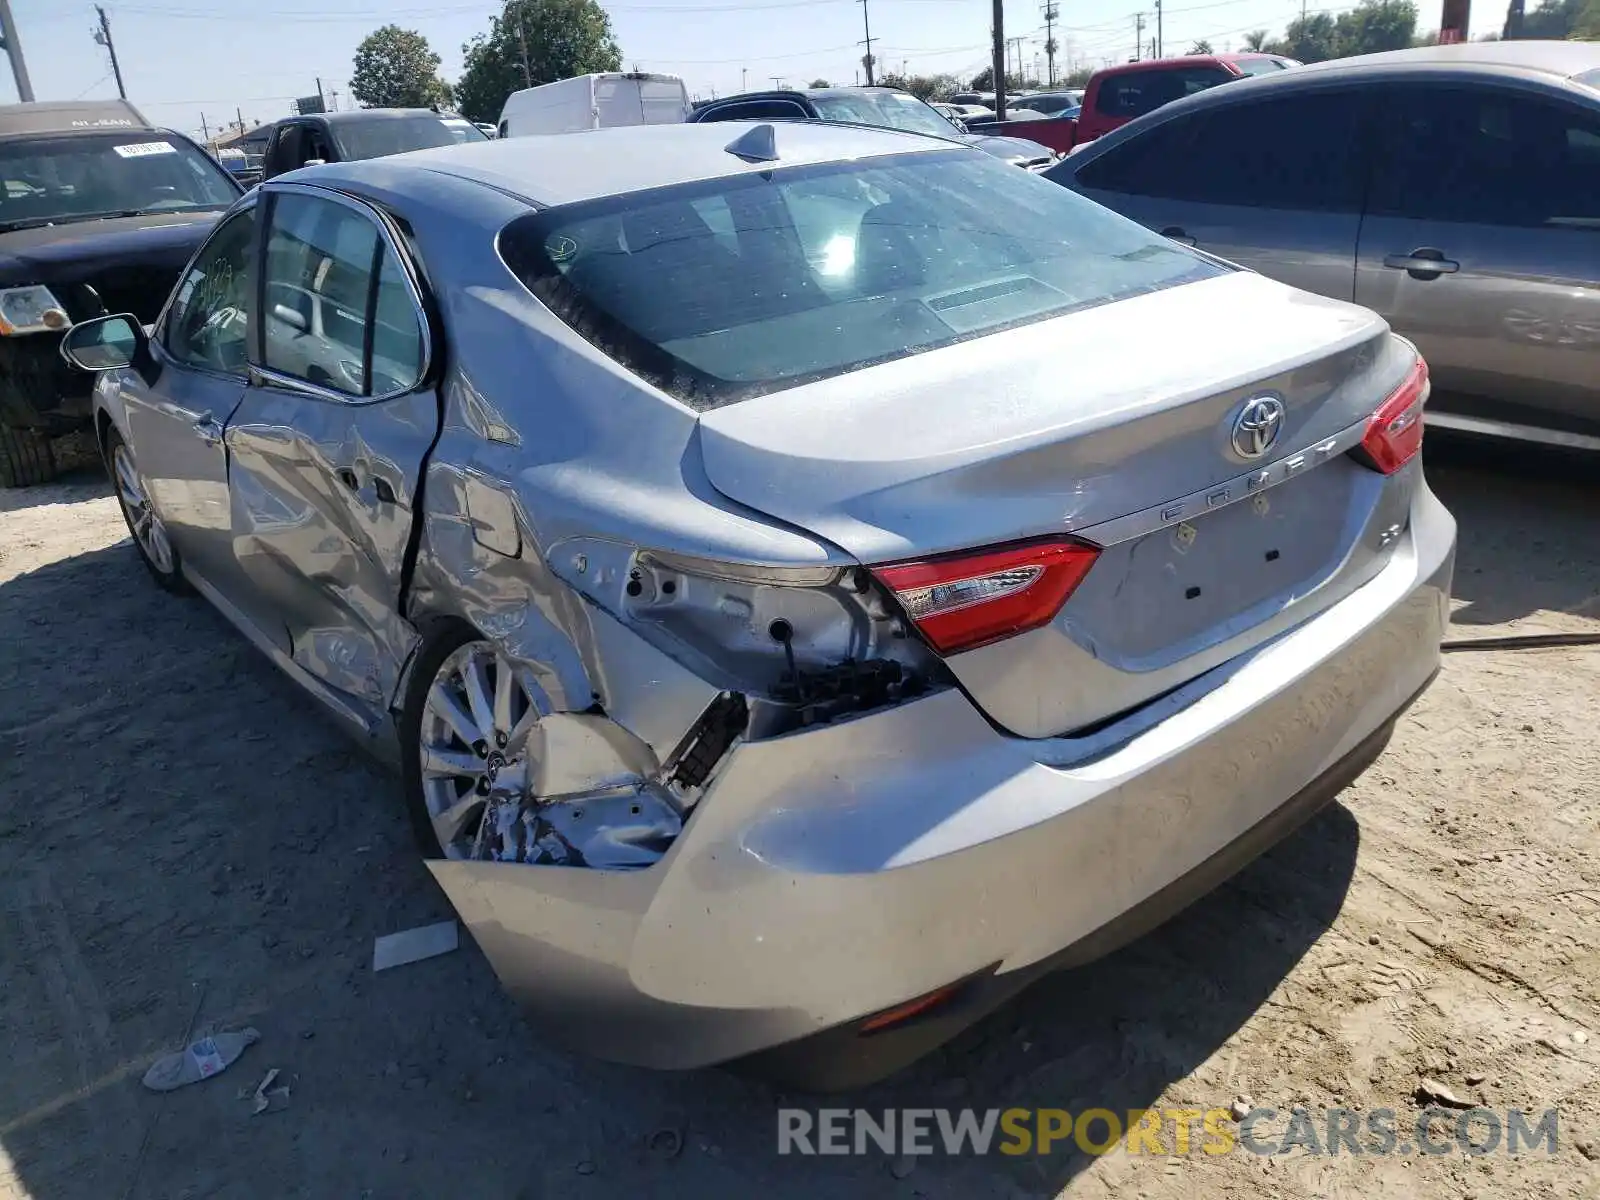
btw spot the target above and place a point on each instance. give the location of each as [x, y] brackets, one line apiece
[184, 58]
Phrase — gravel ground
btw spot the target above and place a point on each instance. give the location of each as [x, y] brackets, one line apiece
[186, 843]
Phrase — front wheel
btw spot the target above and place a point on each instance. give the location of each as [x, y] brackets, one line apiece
[149, 534]
[26, 458]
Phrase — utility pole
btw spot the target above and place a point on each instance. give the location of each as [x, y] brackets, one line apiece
[1017, 43]
[204, 128]
[1051, 13]
[744, 79]
[8, 38]
[324, 99]
[1160, 46]
[997, 58]
[333, 99]
[777, 82]
[866, 28]
[1138, 36]
[103, 36]
[239, 112]
[522, 43]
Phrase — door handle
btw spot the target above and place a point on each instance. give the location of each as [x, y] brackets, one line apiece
[1423, 263]
[1177, 234]
[210, 432]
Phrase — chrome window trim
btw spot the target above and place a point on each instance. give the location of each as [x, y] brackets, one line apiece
[261, 374]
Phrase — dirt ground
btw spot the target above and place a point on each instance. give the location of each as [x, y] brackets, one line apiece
[185, 843]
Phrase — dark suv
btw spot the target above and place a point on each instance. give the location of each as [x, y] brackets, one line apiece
[99, 212]
[880, 106]
[363, 133]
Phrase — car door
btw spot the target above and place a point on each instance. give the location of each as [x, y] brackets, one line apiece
[176, 415]
[1481, 242]
[326, 450]
[1272, 183]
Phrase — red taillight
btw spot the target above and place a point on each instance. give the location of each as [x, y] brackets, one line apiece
[1394, 432]
[963, 601]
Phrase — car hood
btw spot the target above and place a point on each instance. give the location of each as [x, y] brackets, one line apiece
[130, 263]
[1009, 148]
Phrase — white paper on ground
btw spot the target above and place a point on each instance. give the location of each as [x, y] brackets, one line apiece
[414, 945]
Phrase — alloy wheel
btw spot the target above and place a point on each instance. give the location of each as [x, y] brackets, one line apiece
[142, 521]
[477, 720]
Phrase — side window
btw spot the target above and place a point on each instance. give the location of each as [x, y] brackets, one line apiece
[209, 321]
[758, 110]
[1486, 156]
[338, 313]
[1296, 152]
[1149, 164]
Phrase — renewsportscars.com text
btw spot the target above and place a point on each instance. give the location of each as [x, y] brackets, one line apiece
[1165, 1131]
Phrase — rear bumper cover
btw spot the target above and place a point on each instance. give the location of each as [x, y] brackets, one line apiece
[839, 871]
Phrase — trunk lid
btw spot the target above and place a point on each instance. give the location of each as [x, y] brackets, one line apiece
[1114, 424]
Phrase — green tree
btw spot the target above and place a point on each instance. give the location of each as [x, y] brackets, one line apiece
[1375, 25]
[1256, 39]
[1309, 39]
[820, 83]
[396, 68]
[533, 42]
[1201, 47]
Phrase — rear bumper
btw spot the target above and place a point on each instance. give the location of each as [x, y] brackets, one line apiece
[839, 871]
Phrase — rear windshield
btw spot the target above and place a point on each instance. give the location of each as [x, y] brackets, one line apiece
[84, 176]
[731, 288]
[890, 110]
[1263, 66]
[377, 137]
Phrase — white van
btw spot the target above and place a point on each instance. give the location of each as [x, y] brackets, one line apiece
[598, 101]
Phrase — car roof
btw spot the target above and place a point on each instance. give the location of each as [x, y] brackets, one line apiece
[1560, 59]
[379, 114]
[69, 116]
[565, 168]
[1184, 60]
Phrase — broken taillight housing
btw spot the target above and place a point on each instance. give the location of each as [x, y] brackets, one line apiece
[966, 600]
[1394, 432]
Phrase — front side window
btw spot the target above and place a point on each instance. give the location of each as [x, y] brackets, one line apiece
[209, 322]
[888, 110]
[724, 290]
[1298, 152]
[85, 176]
[1486, 156]
[337, 310]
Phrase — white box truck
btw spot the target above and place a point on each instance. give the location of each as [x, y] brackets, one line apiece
[598, 101]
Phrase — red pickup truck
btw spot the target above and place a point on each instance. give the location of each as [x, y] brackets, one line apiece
[1117, 95]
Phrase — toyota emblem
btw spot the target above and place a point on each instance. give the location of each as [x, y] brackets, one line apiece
[1256, 428]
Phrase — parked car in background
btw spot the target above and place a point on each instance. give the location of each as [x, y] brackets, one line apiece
[99, 211]
[360, 134]
[1117, 95]
[599, 101]
[1453, 189]
[885, 108]
[784, 663]
[243, 166]
[488, 130]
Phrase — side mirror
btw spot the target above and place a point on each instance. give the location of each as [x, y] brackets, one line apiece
[104, 343]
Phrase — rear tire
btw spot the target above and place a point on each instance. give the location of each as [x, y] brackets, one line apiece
[25, 457]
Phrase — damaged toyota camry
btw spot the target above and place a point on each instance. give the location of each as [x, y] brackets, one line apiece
[812, 580]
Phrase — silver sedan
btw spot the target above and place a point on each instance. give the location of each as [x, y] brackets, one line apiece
[812, 580]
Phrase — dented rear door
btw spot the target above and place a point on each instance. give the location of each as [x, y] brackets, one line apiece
[326, 451]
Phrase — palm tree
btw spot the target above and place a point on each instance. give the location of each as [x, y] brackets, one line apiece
[1255, 40]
